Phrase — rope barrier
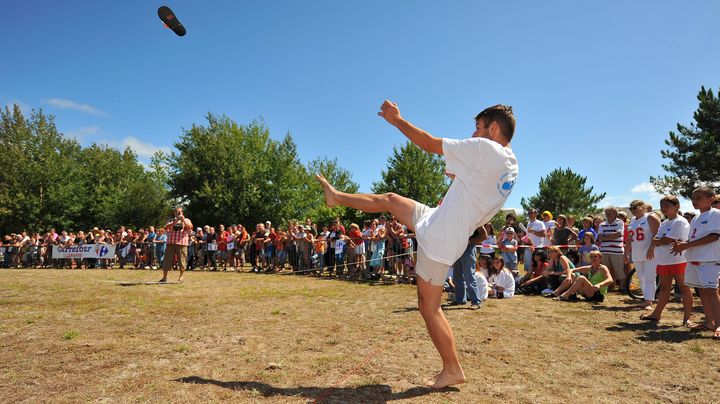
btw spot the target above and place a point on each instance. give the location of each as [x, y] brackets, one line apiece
[322, 269]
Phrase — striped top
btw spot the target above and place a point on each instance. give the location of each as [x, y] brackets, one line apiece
[614, 246]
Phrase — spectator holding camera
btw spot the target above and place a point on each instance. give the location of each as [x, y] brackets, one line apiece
[178, 237]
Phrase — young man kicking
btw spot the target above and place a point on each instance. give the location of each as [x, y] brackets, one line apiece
[484, 170]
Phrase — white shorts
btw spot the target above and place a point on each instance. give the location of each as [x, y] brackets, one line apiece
[430, 271]
[359, 249]
[703, 276]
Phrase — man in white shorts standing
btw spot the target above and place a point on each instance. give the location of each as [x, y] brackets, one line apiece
[484, 171]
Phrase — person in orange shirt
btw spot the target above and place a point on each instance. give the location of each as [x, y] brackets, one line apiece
[358, 245]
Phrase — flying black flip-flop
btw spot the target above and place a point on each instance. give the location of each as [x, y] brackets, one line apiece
[170, 19]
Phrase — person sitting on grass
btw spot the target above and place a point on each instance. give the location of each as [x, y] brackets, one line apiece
[593, 285]
[559, 272]
[534, 282]
[501, 280]
[484, 263]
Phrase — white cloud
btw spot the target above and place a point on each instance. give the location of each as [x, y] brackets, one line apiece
[84, 131]
[616, 200]
[142, 149]
[646, 192]
[645, 187]
[68, 104]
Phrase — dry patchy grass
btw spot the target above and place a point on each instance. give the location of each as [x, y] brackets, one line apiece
[80, 336]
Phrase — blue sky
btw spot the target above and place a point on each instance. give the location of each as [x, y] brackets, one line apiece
[596, 87]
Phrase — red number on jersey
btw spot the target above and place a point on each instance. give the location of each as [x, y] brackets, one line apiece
[640, 234]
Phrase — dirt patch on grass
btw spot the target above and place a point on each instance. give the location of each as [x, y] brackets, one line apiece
[80, 336]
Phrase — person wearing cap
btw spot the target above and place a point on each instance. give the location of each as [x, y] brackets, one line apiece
[508, 250]
[550, 225]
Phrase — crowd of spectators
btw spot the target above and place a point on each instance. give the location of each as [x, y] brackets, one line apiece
[566, 262]
[382, 248]
[560, 258]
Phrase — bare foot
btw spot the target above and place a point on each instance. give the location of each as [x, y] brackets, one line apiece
[445, 379]
[330, 192]
[430, 382]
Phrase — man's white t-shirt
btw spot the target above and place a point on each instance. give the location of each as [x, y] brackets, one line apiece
[485, 173]
[536, 225]
[676, 229]
[705, 223]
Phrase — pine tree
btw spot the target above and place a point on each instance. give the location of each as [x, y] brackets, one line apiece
[693, 151]
[564, 191]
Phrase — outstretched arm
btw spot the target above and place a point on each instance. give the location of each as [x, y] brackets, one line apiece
[390, 112]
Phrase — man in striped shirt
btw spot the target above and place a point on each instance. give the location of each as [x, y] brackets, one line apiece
[612, 247]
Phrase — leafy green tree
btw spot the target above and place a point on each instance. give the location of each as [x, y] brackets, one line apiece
[120, 191]
[39, 185]
[230, 173]
[693, 151]
[414, 173]
[342, 181]
[564, 191]
[50, 181]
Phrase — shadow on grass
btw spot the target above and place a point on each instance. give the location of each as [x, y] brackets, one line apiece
[368, 393]
[406, 309]
[615, 308]
[654, 332]
[641, 325]
[669, 336]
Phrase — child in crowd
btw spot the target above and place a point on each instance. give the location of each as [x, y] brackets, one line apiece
[486, 248]
[501, 280]
[508, 250]
[588, 246]
[482, 285]
[484, 263]
[358, 245]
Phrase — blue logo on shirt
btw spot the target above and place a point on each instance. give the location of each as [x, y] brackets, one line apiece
[505, 184]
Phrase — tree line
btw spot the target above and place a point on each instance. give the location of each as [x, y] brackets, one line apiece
[226, 172]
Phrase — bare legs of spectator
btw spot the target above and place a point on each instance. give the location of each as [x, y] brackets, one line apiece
[582, 285]
[664, 297]
[711, 307]
[565, 285]
[429, 296]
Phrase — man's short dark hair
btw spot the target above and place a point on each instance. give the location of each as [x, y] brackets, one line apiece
[502, 115]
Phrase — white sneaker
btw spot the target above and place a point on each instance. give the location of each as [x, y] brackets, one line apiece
[546, 291]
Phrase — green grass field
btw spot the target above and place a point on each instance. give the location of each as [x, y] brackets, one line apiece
[79, 336]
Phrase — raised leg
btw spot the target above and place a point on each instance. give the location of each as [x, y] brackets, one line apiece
[401, 207]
